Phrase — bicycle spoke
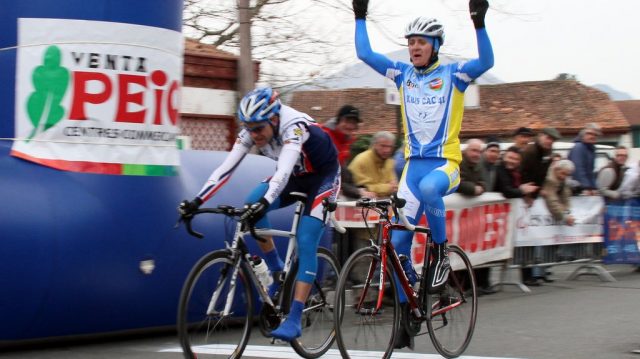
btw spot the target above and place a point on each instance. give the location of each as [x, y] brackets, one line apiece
[202, 322]
[360, 327]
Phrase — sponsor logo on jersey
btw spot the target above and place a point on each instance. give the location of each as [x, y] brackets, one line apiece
[436, 84]
[411, 84]
[297, 131]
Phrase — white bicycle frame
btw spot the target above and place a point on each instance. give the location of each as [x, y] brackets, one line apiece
[235, 251]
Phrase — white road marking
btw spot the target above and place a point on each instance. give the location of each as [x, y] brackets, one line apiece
[263, 351]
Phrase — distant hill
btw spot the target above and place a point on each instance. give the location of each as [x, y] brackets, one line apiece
[614, 94]
[360, 75]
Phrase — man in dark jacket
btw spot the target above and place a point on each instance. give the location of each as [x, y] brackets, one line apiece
[536, 158]
[583, 156]
[489, 163]
[471, 182]
[509, 176]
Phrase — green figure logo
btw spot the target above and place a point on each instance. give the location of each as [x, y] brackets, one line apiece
[50, 81]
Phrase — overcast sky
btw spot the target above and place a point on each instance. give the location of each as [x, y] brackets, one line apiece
[597, 40]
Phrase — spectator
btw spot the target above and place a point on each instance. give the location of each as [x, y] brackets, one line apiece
[583, 156]
[610, 177]
[522, 136]
[536, 159]
[373, 168]
[348, 188]
[509, 176]
[489, 163]
[630, 186]
[341, 129]
[471, 182]
[556, 192]
[555, 157]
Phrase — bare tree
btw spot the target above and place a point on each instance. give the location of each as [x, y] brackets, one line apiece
[290, 38]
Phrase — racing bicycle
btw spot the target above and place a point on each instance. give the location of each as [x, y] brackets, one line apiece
[217, 298]
[368, 312]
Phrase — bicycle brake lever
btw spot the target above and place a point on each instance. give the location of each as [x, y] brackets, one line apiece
[187, 223]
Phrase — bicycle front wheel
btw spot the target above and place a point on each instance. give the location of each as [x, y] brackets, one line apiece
[318, 330]
[205, 330]
[361, 328]
[454, 309]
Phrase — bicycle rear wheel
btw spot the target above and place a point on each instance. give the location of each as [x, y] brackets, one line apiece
[318, 330]
[360, 329]
[454, 309]
[204, 331]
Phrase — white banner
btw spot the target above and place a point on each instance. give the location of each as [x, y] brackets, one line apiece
[100, 97]
[536, 227]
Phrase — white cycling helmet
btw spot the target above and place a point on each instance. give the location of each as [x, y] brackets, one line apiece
[425, 26]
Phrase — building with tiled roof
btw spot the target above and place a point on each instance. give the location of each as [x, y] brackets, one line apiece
[631, 111]
[209, 96]
[566, 105]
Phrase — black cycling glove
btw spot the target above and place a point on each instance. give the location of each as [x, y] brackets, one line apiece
[478, 9]
[256, 211]
[360, 8]
[186, 208]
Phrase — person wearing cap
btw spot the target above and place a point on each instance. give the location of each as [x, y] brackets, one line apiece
[489, 163]
[583, 156]
[536, 159]
[522, 136]
[341, 129]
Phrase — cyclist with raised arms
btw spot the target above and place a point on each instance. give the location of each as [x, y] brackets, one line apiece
[307, 161]
[432, 106]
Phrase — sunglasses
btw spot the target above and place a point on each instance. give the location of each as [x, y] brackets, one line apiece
[255, 128]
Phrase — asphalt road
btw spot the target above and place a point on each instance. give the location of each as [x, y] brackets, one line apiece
[582, 318]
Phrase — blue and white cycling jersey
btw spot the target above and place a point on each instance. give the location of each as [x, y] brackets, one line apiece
[432, 98]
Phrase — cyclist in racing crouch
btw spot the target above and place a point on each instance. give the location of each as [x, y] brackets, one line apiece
[432, 106]
[307, 161]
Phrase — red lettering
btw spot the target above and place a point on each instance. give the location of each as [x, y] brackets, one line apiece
[172, 102]
[125, 98]
[159, 78]
[81, 96]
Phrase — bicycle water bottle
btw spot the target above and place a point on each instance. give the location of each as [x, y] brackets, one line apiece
[262, 272]
[412, 276]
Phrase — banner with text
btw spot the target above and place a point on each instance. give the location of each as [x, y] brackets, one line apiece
[480, 225]
[622, 232]
[98, 97]
[534, 226]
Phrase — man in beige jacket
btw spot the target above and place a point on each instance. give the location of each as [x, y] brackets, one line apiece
[373, 168]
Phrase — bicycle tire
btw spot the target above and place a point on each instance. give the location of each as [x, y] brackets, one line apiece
[451, 329]
[200, 332]
[363, 329]
[318, 330]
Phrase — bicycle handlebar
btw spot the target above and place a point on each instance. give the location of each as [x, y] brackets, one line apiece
[394, 201]
[228, 211]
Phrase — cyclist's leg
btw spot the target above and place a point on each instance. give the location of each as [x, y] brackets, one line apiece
[271, 256]
[310, 230]
[309, 233]
[433, 187]
[408, 190]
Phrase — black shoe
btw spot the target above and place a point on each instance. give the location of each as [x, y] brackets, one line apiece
[532, 282]
[403, 339]
[439, 268]
[545, 279]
